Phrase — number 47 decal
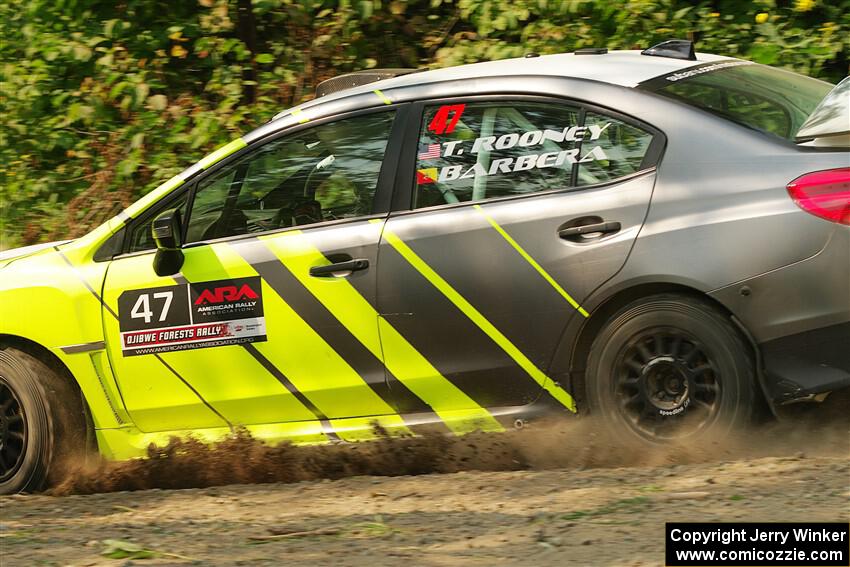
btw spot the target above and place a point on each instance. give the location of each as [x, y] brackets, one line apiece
[142, 308]
[440, 124]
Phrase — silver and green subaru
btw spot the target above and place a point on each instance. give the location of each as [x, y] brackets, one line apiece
[661, 238]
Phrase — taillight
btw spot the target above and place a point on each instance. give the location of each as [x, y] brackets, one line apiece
[824, 193]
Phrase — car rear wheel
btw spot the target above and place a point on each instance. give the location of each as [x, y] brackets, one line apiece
[42, 424]
[670, 367]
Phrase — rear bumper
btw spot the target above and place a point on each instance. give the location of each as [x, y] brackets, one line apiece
[799, 366]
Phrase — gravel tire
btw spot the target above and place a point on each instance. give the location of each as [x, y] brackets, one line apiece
[671, 366]
[42, 423]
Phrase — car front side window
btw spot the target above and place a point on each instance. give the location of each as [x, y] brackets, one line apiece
[328, 172]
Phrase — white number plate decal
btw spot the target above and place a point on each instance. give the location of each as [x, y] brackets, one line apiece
[190, 316]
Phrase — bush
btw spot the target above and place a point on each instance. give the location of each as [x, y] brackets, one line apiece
[102, 101]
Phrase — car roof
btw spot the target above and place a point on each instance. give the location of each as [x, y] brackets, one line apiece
[625, 68]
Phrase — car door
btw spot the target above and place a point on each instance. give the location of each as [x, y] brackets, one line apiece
[280, 240]
[519, 208]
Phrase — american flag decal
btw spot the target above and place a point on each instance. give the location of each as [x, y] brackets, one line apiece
[429, 151]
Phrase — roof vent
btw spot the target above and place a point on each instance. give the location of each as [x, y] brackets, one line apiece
[591, 51]
[674, 49]
[358, 78]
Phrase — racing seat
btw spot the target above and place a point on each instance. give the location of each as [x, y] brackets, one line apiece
[227, 225]
[298, 212]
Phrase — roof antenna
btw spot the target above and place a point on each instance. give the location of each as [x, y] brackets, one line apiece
[673, 48]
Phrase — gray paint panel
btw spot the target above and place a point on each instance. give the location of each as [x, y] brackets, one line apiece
[803, 296]
[500, 283]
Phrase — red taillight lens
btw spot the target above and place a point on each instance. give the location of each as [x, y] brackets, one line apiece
[824, 193]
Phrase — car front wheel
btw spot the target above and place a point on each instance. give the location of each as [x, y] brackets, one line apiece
[42, 424]
[670, 366]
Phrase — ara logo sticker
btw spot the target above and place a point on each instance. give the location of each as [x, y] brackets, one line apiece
[442, 123]
[190, 316]
[226, 293]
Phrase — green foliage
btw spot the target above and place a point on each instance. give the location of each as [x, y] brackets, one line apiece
[117, 549]
[102, 101]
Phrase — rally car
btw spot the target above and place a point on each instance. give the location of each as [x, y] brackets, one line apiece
[661, 238]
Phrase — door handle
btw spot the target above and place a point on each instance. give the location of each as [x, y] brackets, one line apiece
[333, 269]
[580, 233]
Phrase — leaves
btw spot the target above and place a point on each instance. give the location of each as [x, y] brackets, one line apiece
[158, 102]
[122, 549]
[100, 102]
[118, 549]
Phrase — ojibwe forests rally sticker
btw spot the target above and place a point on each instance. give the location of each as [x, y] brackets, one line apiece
[190, 316]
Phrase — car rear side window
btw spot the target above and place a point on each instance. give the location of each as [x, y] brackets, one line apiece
[486, 150]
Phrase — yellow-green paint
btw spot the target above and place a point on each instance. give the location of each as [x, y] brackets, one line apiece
[222, 153]
[102, 409]
[298, 115]
[103, 369]
[528, 258]
[476, 317]
[382, 96]
[155, 398]
[44, 300]
[357, 315]
[154, 196]
[306, 359]
[420, 377]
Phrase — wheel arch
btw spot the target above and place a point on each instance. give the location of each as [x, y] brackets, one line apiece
[40, 352]
[571, 359]
[45, 355]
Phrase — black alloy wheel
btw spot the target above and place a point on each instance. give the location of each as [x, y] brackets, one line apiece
[670, 367]
[13, 431]
[664, 378]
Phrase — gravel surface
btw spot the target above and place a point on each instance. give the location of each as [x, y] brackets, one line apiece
[553, 517]
[577, 500]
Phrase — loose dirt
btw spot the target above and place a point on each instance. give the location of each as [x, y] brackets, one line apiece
[562, 494]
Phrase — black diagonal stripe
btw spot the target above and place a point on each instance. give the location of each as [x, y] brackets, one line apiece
[327, 428]
[342, 340]
[274, 371]
[459, 349]
[103, 303]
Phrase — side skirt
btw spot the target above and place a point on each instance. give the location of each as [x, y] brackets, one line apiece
[128, 442]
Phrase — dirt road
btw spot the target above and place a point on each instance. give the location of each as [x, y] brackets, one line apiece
[586, 509]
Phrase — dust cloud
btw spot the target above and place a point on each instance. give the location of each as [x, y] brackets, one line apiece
[577, 443]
